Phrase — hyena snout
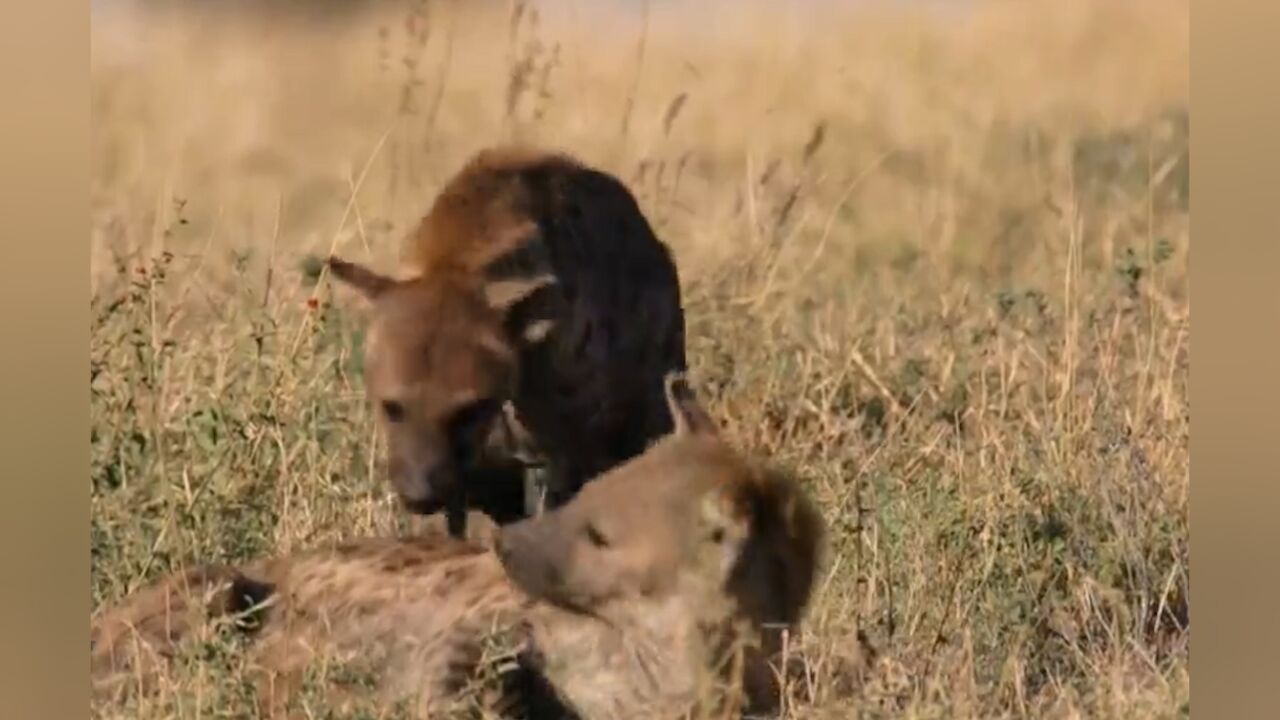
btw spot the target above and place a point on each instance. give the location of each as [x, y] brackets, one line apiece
[530, 551]
[425, 486]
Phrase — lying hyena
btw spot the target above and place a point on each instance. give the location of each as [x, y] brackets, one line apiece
[539, 296]
[627, 600]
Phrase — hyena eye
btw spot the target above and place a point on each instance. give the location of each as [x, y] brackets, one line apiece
[393, 410]
[717, 535]
[595, 537]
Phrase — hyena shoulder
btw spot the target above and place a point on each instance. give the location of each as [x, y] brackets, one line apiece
[472, 222]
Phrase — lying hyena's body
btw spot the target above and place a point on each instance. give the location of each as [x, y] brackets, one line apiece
[626, 600]
[411, 611]
[537, 285]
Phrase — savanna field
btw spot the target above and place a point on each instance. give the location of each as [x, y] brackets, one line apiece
[935, 260]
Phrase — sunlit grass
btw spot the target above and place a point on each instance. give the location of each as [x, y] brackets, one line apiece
[937, 263]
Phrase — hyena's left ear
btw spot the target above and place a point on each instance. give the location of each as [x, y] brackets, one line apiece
[369, 283]
[687, 413]
[504, 294]
[517, 274]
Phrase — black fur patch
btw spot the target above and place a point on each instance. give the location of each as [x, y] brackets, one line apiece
[246, 602]
[542, 304]
[530, 694]
[497, 490]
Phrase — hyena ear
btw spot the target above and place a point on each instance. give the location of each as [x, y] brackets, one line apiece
[726, 525]
[521, 270]
[687, 413]
[502, 295]
[369, 283]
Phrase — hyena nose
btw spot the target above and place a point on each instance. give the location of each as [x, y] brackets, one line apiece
[426, 490]
[512, 543]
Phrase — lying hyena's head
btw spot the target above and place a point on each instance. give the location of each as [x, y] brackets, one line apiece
[687, 513]
[439, 365]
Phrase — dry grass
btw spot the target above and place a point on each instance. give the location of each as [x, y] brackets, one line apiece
[936, 262]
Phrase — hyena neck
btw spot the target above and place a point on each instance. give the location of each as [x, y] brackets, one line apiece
[648, 658]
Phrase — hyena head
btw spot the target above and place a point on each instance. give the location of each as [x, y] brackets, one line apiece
[687, 513]
[439, 366]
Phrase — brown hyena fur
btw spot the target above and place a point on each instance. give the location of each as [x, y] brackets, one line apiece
[715, 554]
[662, 588]
[540, 316]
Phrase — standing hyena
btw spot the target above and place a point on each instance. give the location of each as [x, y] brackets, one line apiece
[541, 302]
[628, 601]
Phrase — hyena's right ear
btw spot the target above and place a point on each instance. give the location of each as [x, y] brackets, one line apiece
[369, 283]
[687, 413]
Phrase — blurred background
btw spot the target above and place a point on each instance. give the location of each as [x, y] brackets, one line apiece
[249, 110]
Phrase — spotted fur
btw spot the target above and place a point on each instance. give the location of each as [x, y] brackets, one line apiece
[630, 601]
[709, 564]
